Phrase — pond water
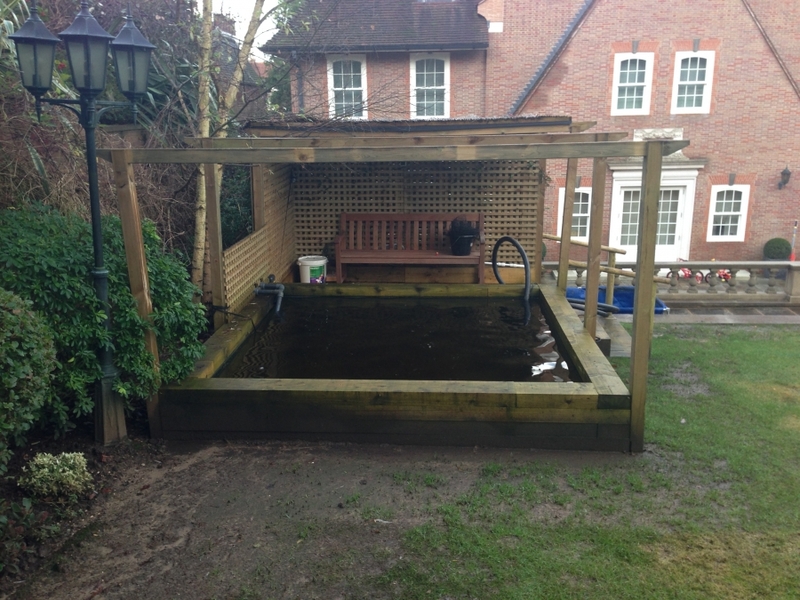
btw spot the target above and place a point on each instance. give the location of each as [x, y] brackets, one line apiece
[458, 339]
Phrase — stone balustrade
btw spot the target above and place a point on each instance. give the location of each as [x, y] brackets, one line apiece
[718, 282]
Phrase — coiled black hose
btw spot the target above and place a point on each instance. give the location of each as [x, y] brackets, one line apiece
[526, 298]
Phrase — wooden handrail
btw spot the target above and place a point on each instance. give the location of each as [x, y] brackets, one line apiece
[623, 272]
[550, 236]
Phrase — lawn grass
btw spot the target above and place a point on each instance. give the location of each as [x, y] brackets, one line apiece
[710, 510]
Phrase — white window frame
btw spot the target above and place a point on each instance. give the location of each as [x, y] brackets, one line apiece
[705, 108]
[362, 58]
[422, 56]
[712, 212]
[647, 92]
[561, 194]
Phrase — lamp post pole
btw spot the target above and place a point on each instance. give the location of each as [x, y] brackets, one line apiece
[87, 46]
[109, 412]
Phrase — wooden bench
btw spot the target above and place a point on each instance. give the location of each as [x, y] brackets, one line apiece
[403, 239]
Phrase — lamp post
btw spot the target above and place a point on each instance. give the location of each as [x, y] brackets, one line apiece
[87, 46]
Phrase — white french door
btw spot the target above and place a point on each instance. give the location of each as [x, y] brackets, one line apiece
[675, 208]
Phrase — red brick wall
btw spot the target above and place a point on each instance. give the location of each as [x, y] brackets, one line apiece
[389, 85]
[751, 130]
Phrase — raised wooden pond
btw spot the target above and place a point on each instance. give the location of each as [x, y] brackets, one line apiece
[590, 413]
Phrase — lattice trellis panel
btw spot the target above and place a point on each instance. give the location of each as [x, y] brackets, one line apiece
[507, 192]
[279, 216]
[245, 264]
[270, 250]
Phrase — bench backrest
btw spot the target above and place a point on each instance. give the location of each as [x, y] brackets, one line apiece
[401, 231]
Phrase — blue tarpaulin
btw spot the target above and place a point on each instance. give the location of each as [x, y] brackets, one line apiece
[623, 298]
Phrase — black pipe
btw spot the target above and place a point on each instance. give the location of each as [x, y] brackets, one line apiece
[527, 294]
[608, 308]
[582, 307]
[271, 289]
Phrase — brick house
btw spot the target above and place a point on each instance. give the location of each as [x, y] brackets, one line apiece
[721, 73]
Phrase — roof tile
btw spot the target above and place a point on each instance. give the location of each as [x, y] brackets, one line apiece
[382, 26]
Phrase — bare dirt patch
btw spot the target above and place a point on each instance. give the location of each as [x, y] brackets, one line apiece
[687, 383]
[257, 520]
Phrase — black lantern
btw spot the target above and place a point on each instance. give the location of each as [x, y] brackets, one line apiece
[131, 52]
[785, 175]
[87, 49]
[36, 48]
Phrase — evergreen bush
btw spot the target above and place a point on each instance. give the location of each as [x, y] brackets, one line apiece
[27, 360]
[61, 476]
[47, 258]
[777, 249]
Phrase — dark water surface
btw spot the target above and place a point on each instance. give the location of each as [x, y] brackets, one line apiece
[463, 339]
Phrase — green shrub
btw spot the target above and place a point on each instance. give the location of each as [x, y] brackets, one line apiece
[61, 476]
[47, 258]
[27, 360]
[19, 524]
[777, 249]
[235, 204]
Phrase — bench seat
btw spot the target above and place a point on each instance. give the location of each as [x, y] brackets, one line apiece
[404, 239]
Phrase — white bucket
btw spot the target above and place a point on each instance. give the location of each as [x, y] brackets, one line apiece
[313, 269]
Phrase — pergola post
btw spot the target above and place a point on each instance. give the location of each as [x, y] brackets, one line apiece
[644, 294]
[538, 241]
[214, 232]
[128, 205]
[566, 224]
[595, 233]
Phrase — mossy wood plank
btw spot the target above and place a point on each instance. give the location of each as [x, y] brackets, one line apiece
[383, 407]
[400, 290]
[619, 432]
[241, 414]
[582, 350]
[226, 341]
[401, 393]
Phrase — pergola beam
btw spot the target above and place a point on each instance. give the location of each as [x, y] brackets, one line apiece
[408, 140]
[395, 154]
[372, 129]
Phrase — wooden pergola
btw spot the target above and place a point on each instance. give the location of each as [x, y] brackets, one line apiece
[472, 145]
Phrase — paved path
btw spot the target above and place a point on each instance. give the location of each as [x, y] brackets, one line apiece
[745, 315]
[771, 315]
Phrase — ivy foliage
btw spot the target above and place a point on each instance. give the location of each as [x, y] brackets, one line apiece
[236, 204]
[47, 258]
[27, 361]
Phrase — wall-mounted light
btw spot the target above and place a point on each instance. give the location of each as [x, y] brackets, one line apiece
[785, 175]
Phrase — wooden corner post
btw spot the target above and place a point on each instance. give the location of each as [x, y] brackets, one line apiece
[538, 241]
[566, 224]
[128, 204]
[644, 295]
[594, 249]
[214, 229]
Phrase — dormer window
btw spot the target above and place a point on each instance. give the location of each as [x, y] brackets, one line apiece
[347, 87]
[430, 86]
